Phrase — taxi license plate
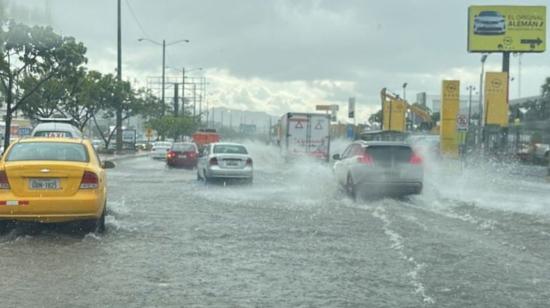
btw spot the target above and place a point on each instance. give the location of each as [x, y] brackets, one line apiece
[44, 184]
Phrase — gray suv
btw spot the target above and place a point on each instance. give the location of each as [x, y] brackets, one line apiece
[374, 168]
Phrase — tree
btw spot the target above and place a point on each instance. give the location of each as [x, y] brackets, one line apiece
[45, 100]
[32, 53]
[545, 100]
[174, 126]
[376, 117]
[113, 94]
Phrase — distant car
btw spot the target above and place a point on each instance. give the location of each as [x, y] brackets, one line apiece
[182, 155]
[141, 144]
[57, 128]
[52, 180]
[160, 149]
[377, 168]
[225, 161]
[541, 152]
[489, 23]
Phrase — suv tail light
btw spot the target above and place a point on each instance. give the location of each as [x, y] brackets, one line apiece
[249, 162]
[213, 161]
[4, 184]
[415, 159]
[365, 159]
[89, 181]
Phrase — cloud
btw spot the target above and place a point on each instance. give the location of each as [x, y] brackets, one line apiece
[283, 55]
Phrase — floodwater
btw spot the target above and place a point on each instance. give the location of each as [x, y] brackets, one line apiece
[477, 237]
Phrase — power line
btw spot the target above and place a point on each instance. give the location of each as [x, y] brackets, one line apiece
[143, 32]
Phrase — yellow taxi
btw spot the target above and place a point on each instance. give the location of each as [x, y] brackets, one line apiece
[51, 180]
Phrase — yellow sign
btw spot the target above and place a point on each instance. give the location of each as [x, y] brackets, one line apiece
[450, 98]
[495, 28]
[149, 133]
[395, 114]
[496, 98]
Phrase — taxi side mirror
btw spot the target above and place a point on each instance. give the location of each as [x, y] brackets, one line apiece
[108, 164]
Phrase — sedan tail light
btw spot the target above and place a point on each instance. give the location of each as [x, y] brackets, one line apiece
[213, 161]
[415, 159]
[4, 184]
[172, 154]
[89, 180]
[365, 159]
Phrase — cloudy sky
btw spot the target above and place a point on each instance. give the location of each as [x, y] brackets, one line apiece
[289, 55]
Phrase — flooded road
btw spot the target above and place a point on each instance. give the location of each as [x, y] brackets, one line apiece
[477, 239]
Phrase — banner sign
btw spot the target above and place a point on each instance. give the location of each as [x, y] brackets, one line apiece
[450, 98]
[496, 98]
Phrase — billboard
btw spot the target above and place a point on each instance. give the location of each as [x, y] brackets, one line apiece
[496, 98]
[496, 28]
[395, 113]
[129, 135]
[450, 98]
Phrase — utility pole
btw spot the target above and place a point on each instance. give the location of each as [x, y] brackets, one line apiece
[194, 100]
[200, 108]
[176, 100]
[183, 91]
[119, 79]
[163, 107]
[480, 121]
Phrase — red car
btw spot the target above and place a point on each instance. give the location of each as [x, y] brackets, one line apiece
[182, 155]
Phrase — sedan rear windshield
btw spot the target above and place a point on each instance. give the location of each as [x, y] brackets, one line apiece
[184, 147]
[230, 149]
[56, 151]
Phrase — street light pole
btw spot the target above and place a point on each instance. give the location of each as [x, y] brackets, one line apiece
[163, 44]
[470, 88]
[119, 79]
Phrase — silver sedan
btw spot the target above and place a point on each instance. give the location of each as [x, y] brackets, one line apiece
[379, 168]
[225, 161]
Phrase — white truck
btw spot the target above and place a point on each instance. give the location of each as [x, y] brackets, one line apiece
[305, 135]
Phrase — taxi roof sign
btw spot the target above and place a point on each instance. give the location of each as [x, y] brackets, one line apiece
[499, 28]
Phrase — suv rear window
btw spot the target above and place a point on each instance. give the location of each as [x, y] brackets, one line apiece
[56, 151]
[389, 153]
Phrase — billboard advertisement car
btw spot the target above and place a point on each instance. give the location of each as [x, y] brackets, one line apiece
[497, 28]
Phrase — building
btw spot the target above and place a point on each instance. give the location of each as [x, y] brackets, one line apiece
[434, 103]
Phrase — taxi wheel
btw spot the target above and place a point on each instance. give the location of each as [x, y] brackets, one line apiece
[94, 225]
[5, 226]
